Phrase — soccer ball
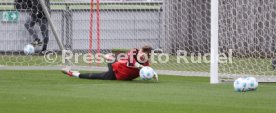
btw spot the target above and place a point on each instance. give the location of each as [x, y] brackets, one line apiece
[240, 85]
[251, 83]
[29, 49]
[146, 73]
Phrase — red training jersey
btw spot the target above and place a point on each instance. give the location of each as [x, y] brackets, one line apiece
[124, 68]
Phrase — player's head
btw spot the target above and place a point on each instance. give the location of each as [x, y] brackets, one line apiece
[144, 53]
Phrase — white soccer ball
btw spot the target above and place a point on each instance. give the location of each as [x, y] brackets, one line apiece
[29, 49]
[146, 73]
[240, 85]
[251, 83]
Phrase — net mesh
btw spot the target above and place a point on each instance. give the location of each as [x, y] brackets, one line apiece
[122, 24]
[248, 28]
[187, 31]
[246, 34]
[22, 23]
[175, 27]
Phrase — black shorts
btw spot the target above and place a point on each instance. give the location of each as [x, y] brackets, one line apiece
[109, 75]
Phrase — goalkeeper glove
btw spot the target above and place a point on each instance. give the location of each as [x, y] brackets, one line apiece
[137, 65]
[155, 76]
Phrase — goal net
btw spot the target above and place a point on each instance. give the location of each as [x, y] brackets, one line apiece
[82, 26]
[248, 28]
[246, 34]
[178, 30]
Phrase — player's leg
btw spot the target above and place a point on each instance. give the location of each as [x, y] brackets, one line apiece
[29, 25]
[109, 75]
[45, 32]
[92, 76]
[103, 76]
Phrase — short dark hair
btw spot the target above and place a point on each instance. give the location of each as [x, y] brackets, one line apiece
[147, 49]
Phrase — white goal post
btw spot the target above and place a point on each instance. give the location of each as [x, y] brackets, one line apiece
[214, 79]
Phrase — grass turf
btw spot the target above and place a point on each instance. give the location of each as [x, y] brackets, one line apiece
[53, 92]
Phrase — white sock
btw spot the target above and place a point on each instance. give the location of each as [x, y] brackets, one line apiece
[76, 74]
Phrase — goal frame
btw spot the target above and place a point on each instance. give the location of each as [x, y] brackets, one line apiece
[214, 79]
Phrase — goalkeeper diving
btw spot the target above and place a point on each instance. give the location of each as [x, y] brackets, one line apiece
[126, 68]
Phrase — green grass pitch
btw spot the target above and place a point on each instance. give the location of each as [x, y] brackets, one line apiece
[53, 92]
